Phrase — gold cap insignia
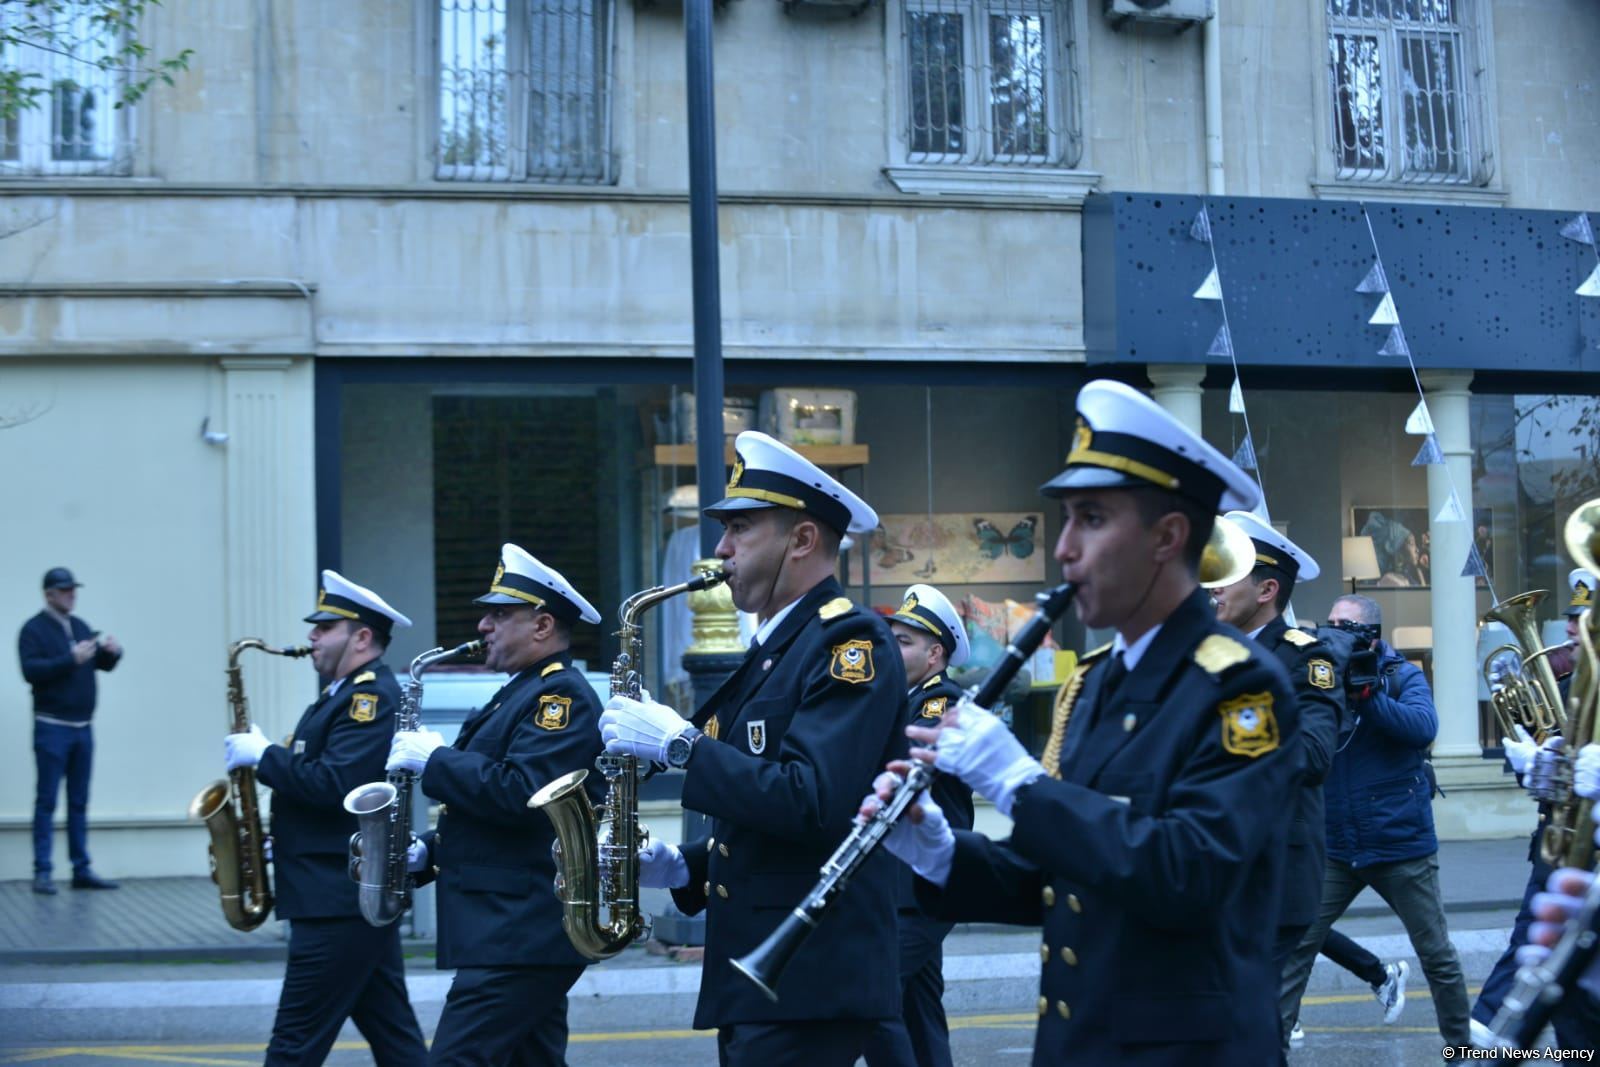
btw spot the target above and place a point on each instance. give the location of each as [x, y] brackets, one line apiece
[553, 712]
[852, 662]
[364, 707]
[934, 708]
[910, 603]
[1082, 438]
[738, 471]
[1249, 728]
[499, 573]
[1321, 674]
[1582, 596]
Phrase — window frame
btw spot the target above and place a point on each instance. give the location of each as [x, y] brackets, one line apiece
[35, 125]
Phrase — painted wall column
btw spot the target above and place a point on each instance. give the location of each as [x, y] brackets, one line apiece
[1177, 388]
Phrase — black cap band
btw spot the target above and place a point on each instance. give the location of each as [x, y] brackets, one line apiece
[331, 606]
[537, 594]
[925, 619]
[784, 491]
[1274, 558]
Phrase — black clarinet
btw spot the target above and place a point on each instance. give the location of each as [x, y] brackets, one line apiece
[1540, 989]
[766, 963]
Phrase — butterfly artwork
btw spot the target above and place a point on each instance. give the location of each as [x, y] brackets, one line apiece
[1019, 542]
[888, 554]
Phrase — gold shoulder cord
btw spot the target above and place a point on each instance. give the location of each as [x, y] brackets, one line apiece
[1061, 714]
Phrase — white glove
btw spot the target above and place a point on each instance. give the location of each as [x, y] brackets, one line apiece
[639, 728]
[416, 855]
[1586, 772]
[662, 866]
[1543, 777]
[927, 847]
[1566, 905]
[244, 750]
[1520, 749]
[982, 752]
[411, 748]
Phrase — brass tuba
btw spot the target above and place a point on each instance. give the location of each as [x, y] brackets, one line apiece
[383, 811]
[1569, 837]
[1522, 684]
[231, 812]
[597, 849]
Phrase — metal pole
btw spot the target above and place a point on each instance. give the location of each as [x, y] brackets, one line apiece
[704, 269]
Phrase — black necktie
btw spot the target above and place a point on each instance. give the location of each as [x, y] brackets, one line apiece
[1114, 674]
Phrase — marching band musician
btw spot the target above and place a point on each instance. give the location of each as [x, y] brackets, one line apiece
[931, 637]
[1150, 843]
[499, 917]
[778, 757]
[339, 966]
[1255, 604]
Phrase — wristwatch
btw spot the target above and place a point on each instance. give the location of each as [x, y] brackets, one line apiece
[680, 748]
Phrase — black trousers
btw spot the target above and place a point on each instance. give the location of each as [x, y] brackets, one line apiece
[803, 1043]
[921, 1036]
[344, 969]
[505, 1017]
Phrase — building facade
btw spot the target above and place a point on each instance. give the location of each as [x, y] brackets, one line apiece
[426, 266]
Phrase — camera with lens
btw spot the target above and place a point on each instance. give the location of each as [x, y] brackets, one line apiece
[1361, 663]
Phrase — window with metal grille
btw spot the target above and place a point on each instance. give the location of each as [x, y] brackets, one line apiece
[75, 125]
[525, 90]
[990, 81]
[1408, 84]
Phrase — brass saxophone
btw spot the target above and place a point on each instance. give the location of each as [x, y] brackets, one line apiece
[1569, 837]
[231, 812]
[383, 811]
[597, 849]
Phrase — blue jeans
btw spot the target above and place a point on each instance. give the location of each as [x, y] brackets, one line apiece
[62, 751]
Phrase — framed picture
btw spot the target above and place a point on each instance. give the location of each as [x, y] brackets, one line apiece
[954, 549]
[1404, 546]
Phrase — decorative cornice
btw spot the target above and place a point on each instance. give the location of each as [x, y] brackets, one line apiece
[1023, 184]
[1418, 193]
[161, 290]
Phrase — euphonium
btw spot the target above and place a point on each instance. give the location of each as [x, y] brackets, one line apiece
[230, 811]
[1569, 836]
[1522, 684]
[383, 811]
[597, 849]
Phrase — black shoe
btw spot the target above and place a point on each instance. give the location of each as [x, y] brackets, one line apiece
[90, 880]
[43, 885]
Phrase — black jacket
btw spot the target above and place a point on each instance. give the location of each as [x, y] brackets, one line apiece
[491, 852]
[803, 727]
[1318, 680]
[341, 741]
[62, 689]
[928, 702]
[1153, 858]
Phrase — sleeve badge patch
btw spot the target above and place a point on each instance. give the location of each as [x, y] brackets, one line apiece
[1249, 728]
[553, 712]
[934, 708]
[852, 662]
[364, 707]
[1321, 674]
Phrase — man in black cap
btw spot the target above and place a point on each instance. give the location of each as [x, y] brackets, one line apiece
[779, 757]
[339, 966]
[60, 653]
[1149, 845]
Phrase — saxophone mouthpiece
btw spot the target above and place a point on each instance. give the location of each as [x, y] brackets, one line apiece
[709, 580]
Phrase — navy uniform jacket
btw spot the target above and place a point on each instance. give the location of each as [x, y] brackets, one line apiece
[341, 741]
[929, 702]
[1318, 683]
[491, 852]
[802, 728]
[1154, 860]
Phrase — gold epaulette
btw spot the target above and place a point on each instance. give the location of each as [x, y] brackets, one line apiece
[551, 669]
[364, 676]
[1219, 652]
[834, 608]
[1298, 637]
[1061, 712]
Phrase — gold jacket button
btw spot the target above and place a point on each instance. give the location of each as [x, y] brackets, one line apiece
[1062, 1009]
[710, 843]
[1044, 1005]
[1069, 957]
[722, 891]
[1044, 953]
[1048, 895]
[1074, 903]
[708, 889]
[722, 849]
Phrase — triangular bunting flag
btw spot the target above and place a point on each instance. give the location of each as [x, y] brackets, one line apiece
[1374, 282]
[1396, 344]
[1386, 315]
[1451, 512]
[1222, 344]
[1211, 288]
[1429, 453]
[1475, 567]
[1419, 421]
[1201, 230]
[1591, 284]
[1245, 456]
[1579, 230]
[1236, 398]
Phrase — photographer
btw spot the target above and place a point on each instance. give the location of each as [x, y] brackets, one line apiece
[1379, 795]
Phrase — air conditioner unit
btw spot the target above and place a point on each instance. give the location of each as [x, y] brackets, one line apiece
[1176, 14]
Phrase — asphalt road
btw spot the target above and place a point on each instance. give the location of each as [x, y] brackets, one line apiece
[1342, 1030]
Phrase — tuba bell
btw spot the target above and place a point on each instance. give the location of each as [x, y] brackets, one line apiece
[1522, 684]
[1569, 836]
